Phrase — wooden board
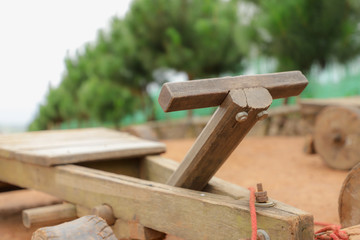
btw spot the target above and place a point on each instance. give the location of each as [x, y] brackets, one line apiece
[184, 213]
[71, 146]
[212, 92]
[314, 106]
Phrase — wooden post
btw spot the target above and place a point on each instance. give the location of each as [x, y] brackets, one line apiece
[105, 212]
[87, 227]
[240, 110]
[54, 214]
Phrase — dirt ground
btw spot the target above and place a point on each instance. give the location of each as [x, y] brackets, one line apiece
[288, 174]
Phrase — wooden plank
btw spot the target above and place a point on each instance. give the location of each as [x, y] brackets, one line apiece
[212, 92]
[202, 216]
[159, 169]
[314, 106]
[70, 146]
[220, 137]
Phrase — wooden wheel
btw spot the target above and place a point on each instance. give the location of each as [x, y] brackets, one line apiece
[349, 199]
[337, 136]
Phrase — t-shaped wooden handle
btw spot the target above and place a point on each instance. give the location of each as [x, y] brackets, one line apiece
[212, 92]
[242, 104]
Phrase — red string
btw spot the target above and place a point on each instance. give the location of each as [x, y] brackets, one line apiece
[330, 232]
[253, 214]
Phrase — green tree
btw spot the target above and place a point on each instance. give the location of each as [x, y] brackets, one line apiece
[199, 37]
[300, 33]
[97, 97]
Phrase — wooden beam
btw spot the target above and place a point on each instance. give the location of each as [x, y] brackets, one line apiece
[43, 215]
[220, 137]
[212, 92]
[184, 213]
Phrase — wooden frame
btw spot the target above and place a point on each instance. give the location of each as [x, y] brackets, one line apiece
[220, 213]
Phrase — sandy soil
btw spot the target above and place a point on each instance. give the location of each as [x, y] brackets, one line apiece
[288, 175]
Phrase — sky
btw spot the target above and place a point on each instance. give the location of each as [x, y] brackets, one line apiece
[35, 37]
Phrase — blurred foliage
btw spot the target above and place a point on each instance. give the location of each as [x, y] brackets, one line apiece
[108, 80]
[200, 37]
[300, 33]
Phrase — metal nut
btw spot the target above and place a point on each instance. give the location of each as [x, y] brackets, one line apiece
[261, 195]
[241, 116]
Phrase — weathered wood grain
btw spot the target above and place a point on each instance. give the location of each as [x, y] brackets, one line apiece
[43, 215]
[70, 146]
[337, 136]
[185, 213]
[220, 137]
[87, 227]
[349, 199]
[353, 232]
[212, 92]
[105, 212]
[134, 230]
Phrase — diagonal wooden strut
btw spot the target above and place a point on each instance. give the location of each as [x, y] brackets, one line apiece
[243, 101]
[225, 130]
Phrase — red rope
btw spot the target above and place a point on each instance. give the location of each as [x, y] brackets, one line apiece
[330, 232]
[253, 214]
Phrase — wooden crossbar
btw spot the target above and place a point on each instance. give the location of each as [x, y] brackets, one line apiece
[212, 92]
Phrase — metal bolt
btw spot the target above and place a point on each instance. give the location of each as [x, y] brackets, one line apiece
[261, 195]
[262, 115]
[241, 116]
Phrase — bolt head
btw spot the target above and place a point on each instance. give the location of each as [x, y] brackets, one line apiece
[241, 116]
[262, 115]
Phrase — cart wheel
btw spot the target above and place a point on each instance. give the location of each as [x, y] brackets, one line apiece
[337, 136]
[349, 199]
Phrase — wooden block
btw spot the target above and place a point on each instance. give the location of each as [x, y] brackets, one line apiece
[212, 92]
[220, 137]
[50, 148]
[43, 215]
[180, 212]
[87, 227]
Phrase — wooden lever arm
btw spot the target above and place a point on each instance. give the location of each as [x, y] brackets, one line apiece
[212, 92]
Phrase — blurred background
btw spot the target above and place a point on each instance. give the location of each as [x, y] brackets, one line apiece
[74, 64]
